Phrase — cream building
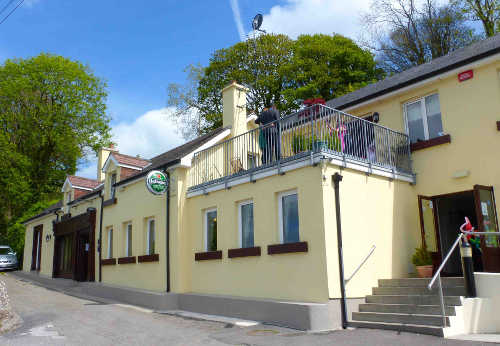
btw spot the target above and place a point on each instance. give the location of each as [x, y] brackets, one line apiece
[249, 225]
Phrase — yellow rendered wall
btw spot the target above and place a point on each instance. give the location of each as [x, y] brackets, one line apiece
[469, 111]
[46, 263]
[135, 204]
[374, 211]
[298, 276]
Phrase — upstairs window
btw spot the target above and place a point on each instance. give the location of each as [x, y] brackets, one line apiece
[211, 230]
[246, 224]
[112, 186]
[150, 241]
[289, 217]
[423, 119]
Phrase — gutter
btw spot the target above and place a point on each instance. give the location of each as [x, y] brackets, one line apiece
[167, 233]
[99, 246]
[337, 178]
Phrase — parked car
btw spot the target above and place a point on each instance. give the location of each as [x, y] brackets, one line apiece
[8, 258]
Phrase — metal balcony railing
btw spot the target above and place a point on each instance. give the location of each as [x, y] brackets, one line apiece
[314, 129]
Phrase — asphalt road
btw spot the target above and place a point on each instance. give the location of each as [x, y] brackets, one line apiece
[54, 318]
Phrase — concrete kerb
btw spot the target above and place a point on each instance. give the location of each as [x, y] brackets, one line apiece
[297, 315]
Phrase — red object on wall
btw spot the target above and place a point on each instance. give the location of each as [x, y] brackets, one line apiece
[469, 74]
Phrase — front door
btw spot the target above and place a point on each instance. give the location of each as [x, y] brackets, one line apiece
[429, 228]
[487, 222]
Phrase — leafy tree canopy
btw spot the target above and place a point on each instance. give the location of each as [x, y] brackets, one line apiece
[276, 69]
[52, 113]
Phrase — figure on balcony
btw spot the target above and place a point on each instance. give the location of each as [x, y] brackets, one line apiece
[269, 138]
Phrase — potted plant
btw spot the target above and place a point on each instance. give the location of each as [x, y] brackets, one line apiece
[423, 262]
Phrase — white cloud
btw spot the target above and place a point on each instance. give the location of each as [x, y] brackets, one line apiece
[297, 17]
[149, 135]
[237, 19]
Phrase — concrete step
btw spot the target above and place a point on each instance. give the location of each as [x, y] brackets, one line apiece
[420, 282]
[413, 299]
[407, 309]
[426, 320]
[419, 329]
[394, 291]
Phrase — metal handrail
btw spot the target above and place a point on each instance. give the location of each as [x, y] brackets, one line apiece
[437, 275]
[361, 264]
[438, 272]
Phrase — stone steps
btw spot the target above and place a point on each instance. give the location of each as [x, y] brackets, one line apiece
[407, 305]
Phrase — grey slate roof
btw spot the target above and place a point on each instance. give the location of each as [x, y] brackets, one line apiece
[174, 156]
[459, 57]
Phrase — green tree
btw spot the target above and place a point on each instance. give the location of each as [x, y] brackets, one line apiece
[52, 113]
[276, 69]
[405, 35]
[485, 11]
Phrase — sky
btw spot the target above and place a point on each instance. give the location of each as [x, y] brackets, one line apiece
[140, 47]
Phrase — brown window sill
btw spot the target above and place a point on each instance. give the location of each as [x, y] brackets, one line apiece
[108, 261]
[430, 143]
[148, 258]
[244, 252]
[125, 260]
[110, 201]
[209, 255]
[287, 248]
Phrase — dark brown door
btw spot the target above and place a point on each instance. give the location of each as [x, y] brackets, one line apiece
[83, 247]
[429, 227]
[487, 221]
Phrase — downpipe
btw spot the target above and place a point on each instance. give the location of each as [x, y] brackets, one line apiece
[99, 245]
[167, 231]
[337, 178]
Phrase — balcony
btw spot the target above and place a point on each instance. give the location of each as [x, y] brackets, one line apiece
[309, 135]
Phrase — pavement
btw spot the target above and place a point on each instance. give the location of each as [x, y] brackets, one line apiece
[53, 318]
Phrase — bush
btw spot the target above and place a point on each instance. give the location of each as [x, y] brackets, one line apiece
[422, 257]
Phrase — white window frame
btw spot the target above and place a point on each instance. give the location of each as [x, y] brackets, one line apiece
[205, 226]
[240, 224]
[148, 252]
[127, 230]
[280, 211]
[110, 243]
[423, 112]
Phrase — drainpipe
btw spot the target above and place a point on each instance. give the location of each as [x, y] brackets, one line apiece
[100, 236]
[337, 178]
[167, 233]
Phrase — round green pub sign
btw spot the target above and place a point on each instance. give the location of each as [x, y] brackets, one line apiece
[157, 182]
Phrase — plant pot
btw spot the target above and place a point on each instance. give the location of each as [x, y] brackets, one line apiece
[424, 271]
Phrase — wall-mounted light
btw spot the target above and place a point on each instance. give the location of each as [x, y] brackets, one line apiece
[376, 117]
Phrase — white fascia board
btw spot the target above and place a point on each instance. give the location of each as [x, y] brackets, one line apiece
[108, 161]
[66, 182]
[251, 117]
[186, 160]
[73, 205]
[111, 158]
[82, 188]
[463, 68]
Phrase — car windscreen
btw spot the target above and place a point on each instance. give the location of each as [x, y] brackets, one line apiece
[6, 251]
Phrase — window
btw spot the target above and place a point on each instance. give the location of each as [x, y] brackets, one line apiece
[150, 241]
[128, 240]
[289, 217]
[246, 224]
[111, 186]
[423, 119]
[211, 230]
[110, 243]
[68, 197]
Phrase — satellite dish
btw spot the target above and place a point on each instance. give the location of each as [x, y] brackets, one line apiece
[257, 22]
